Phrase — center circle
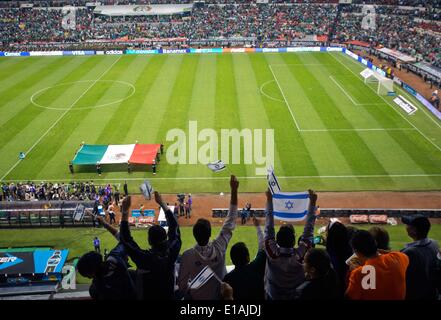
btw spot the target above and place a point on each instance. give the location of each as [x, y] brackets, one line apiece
[131, 91]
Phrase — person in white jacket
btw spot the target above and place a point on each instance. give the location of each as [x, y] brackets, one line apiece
[206, 253]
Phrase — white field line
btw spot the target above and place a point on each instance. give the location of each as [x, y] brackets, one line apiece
[427, 138]
[60, 118]
[357, 130]
[244, 177]
[344, 91]
[286, 101]
[267, 95]
[298, 64]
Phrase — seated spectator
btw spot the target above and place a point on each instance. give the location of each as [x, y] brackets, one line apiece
[381, 237]
[155, 265]
[339, 250]
[111, 279]
[423, 274]
[206, 253]
[284, 269]
[386, 272]
[247, 277]
[321, 280]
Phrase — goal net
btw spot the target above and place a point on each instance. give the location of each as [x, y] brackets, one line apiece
[382, 85]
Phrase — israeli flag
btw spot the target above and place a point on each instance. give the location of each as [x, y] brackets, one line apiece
[201, 278]
[217, 166]
[273, 184]
[290, 206]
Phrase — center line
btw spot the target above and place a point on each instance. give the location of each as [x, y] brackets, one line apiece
[61, 117]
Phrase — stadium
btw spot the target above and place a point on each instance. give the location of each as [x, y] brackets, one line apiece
[220, 150]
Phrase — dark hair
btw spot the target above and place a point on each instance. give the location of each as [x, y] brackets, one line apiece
[89, 263]
[240, 255]
[156, 235]
[318, 259]
[202, 231]
[286, 236]
[364, 243]
[381, 237]
[338, 241]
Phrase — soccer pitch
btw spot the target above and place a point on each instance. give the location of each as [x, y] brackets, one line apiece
[331, 131]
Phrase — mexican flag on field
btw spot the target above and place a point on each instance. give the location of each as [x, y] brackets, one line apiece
[90, 154]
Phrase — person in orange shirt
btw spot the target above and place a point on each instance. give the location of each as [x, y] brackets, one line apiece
[379, 276]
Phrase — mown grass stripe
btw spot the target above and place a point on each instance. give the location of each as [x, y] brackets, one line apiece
[357, 154]
[56, 136]
[227, 106]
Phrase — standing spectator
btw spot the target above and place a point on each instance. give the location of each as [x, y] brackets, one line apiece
[422, 277]
[116, 196]
[187, 211]
[190, 202]
[247, 277]
[126, 190]
[96, 245]
[111, 278]
[321, 280]
[284, 269]
[111, 213]
[206, 253]
[435, 99]
[388, 281]
[156, 266]
[339, 250]
[245, 213]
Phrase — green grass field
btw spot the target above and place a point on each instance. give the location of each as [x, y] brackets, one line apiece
[79, 241]
[332, 132]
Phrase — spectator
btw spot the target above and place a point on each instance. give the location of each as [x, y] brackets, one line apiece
[110, 209]
[387, 272]
[247, 277]
[111, 279]
[284, 270]
[423, 274]
[321, 280]
[187, 210]
[381, 238]
[206, 253]
[339, 250]
[96, 245]
[156, 265]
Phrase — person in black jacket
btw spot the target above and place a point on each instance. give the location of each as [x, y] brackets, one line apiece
[247, 277]
[321, 281]
[423, 272]
[156, 266]
[339, 250]
[112, 280]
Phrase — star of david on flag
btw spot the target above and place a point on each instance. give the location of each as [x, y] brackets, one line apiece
[291, 206]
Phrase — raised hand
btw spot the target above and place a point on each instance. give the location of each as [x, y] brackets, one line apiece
[125, 206]
[234, 183]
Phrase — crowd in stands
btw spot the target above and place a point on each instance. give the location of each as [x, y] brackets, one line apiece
[414, 30]
[286, 267]
[48, 191]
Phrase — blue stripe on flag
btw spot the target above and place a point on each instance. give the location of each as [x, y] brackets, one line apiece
[290, 196]
[290, 215]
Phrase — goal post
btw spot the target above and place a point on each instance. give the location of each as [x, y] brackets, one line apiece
[383, 85]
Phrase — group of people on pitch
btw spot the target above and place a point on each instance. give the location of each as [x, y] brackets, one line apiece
[283, 268]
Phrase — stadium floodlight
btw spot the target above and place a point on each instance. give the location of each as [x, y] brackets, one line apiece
[384, 85]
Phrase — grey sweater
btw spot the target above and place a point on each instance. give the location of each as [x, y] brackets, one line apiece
[284, 268]
[195, 259]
